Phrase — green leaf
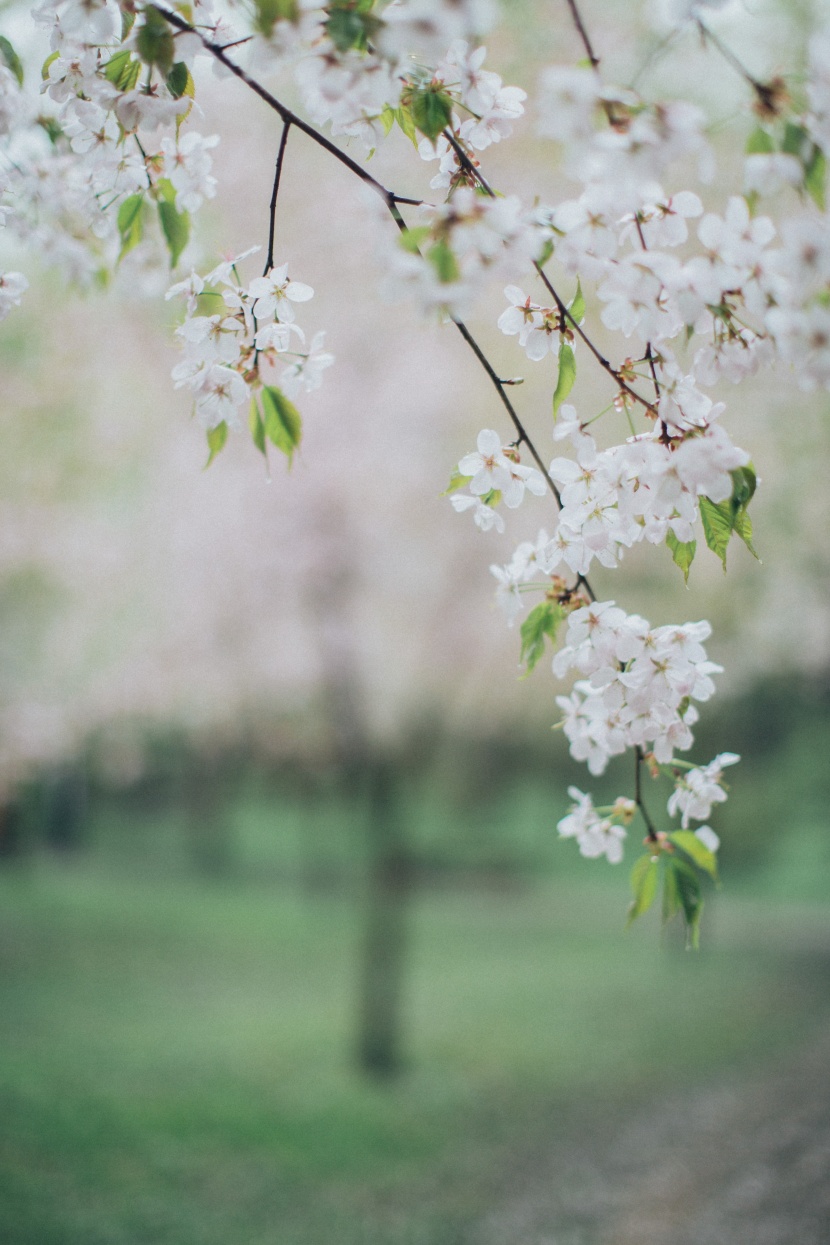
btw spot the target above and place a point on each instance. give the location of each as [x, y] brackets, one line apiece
[542, 621]
[744, 484]
[403, 116]
[815, 178]
[11, 59]
[577, 307]
[742, 526]
[567, 376]
[122, 70]
[546, 252]
[216, 439]
[759, 143]
[349, 28]
[131, 223]
[52, 128]
[794, 140]
[687, 886]
[256, 426]
[387, 118]
[127, 21]
[269, 12]
[671, 893]
[175, 226]
[413, 239]
[154, 41]
[178, 79]
[44, 72]
[698, 852]
[644, 877]
[717, 525]
[457, 481]
[283, 425]
[431, 111]
[444, 262]
[682, 552]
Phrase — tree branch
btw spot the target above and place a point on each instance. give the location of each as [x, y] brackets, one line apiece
[269, 262]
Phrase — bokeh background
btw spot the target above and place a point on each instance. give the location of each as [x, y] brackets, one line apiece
[289, 951]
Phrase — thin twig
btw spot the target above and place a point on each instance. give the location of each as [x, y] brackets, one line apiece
[766, 93]
[583, 34]
[638, 795]
[269, 262]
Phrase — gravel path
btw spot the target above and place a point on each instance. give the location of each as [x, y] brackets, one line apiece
[745, 1162]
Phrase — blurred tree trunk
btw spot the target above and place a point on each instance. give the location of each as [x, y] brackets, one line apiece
[368, 778]
[380, 1018]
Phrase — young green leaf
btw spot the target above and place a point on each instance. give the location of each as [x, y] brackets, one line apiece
[11, 59]
[457, 481]
[643, 886]
[443, 260]
[122, 70]
[577, 307]
[130, 223]
[216, 439]
[742, 526]
[403, 116]
[744, 484]
[431, 111]
[682, 552]
[567, 376]
[795, 140]
[348, 27]
[542, 621]
[269, 12]
[717, 525]
[546, 252]
[256, 426]
[177, 80]
[283, 425]
[759, 143]
[687, 886]
[387, 118]
[175, 226]
[44, 71]
[154, 41]
[815, 178]
[127, 21]
[698, 852]
[413, 239]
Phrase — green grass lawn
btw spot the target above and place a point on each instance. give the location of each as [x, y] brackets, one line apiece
[175, 1056]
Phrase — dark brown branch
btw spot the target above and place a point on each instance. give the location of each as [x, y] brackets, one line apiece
[508, 405]
[269, 262]
[583, 34]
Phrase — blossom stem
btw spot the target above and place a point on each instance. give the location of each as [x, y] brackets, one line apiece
[638, 795]
[269, 262]
[763, 92]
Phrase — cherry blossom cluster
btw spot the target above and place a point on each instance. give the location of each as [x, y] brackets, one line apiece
[640, 684]
[494, 473]
[252, 340]
[104, 143]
